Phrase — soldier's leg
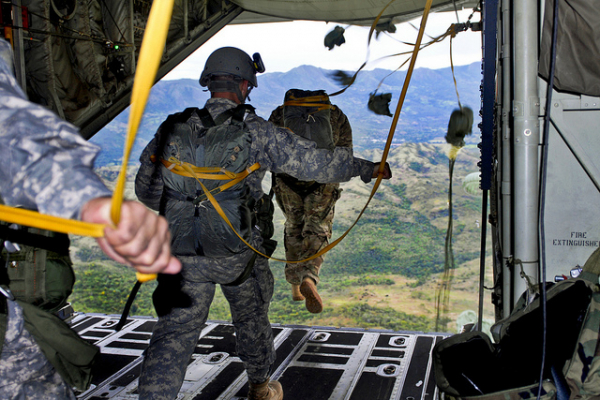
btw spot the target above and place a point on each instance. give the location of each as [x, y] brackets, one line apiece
[182, 307]
[249, 303]
[292, 206]
[25, 372]
[319, 209]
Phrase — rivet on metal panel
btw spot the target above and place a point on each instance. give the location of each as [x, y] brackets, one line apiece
[320, 337]
[215, 358]
[527, 132]
[397, 341]
[388, 370]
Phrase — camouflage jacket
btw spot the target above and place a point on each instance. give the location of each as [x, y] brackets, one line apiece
[44, 163]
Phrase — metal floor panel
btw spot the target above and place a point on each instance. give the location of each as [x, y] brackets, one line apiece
[313, 363]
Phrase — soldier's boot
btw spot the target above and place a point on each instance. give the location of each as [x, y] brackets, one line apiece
[296, 295]
[308, 288]
[268, 390]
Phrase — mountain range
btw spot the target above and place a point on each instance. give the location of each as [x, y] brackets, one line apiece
[429, 101]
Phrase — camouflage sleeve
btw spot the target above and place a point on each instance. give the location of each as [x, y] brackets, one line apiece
[44, 163]
[148, 180]
[342, 131]
[281, 151]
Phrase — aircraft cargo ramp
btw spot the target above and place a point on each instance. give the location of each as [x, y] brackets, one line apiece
[313, 363]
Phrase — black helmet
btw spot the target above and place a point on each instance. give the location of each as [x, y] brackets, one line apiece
[232, 61]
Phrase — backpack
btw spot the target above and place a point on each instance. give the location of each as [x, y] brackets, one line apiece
[223, 144]
[468, 365]
[308, 114]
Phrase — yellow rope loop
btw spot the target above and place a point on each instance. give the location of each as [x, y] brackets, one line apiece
[175, 161]
[188, 170]
[320, 102]
[321, 98]
[230, 175]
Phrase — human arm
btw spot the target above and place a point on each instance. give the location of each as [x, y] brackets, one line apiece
[281, 151]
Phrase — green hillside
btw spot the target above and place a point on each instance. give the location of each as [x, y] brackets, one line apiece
[384, 274]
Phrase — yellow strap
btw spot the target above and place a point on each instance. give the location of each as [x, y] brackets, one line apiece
[318, 106]
[190, 172]
[320, 98]
[183, 168]
[43, 221]
[321, 102]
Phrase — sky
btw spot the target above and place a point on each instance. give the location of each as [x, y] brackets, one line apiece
[286, 45]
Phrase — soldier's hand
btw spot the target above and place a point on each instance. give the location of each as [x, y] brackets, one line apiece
[387, 171]
[141, 240]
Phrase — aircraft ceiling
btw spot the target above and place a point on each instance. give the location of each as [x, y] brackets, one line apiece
[79, 58]
[357, 12]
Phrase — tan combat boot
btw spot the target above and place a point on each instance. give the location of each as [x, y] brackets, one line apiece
[296, 295]
[314, 304]
[268, 390]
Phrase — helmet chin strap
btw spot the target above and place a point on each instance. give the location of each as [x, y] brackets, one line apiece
[229, 86]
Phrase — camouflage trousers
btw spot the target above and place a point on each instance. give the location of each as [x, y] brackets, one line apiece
[25, 372]
[182, 303]
[308, 225]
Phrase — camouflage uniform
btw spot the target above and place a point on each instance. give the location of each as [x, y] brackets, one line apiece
[308, 207]
[182, 302]
[44, 165]
[25, 373]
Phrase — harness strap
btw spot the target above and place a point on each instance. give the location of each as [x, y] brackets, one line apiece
[186, 169]
[320, 102]
[206, 118]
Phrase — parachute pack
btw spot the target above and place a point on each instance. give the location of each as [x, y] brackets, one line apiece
[469, 366]
[218, 151]
[216, 147]
[308, 114]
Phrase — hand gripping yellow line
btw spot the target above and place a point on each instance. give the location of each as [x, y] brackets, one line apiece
[149, 60]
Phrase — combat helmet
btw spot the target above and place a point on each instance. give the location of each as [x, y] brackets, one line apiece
[232, 61]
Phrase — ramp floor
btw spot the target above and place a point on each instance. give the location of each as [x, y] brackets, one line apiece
[313, 363]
